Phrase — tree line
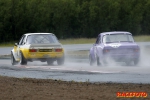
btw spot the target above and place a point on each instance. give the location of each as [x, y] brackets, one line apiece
[73, 18]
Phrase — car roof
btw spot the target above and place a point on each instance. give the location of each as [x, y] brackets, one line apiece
[37, 33]
[115, 32]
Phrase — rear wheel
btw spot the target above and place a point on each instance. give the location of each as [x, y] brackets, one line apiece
[128, 62]
[60, 61]
[23, 61]
[136, 61]
[13, 61]
[49, 62]
[105, 61]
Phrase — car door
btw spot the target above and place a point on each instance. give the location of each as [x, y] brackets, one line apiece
[20, 44]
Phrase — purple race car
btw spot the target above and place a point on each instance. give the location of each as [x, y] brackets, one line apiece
[114, 46]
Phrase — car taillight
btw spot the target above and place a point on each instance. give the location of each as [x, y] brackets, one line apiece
[58, 50]
[136, 50]
[32, 50]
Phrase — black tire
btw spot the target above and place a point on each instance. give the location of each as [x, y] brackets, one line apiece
[60, 61]
[98, 62]
[104, 62]
[91, 60]
[50, 62]
[22, 61]
[13, 61]
[128, 62]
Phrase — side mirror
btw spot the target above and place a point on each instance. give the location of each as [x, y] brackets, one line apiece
[16, 44]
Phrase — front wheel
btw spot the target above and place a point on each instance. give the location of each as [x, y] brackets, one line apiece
[91, 60]
[13, 61]
[98, 62]
[60, 61]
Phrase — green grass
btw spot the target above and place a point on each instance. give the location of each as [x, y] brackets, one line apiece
[144, 38]
[7, 44]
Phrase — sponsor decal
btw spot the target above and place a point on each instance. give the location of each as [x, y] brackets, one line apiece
[45, 50]
[115, 45]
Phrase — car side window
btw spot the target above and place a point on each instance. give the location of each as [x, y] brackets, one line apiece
[21, 40]
[98, 41]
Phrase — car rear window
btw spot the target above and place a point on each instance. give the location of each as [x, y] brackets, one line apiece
[41, 39]
[109, 38]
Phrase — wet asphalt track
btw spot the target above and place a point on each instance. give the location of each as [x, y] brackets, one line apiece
[79, 71]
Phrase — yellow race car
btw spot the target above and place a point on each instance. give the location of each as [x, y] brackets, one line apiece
[43, 47]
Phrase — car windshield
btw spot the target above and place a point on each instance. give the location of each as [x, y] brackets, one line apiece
[41, 39]
[110, 38]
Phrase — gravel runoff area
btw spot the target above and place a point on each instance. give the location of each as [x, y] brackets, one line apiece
[42, 89]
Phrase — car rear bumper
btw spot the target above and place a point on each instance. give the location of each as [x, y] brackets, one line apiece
[44, 55]
[122, 57]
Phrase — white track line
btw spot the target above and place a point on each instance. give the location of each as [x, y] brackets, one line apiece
[67, 69]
